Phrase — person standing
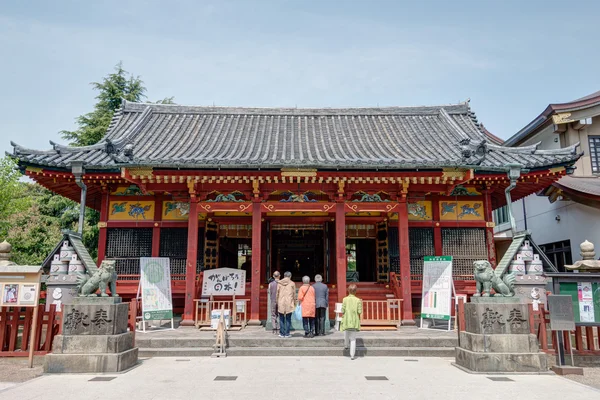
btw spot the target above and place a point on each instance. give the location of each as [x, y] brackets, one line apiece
[306, 297]
[351, 310]
[286, 291]
[273, 300]
[321, 303]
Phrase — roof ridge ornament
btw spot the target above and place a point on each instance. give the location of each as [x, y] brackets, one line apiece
[473, 152]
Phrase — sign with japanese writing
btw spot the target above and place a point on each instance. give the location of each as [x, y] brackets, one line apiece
[586, 301]
[562, 317]
[155, 280]
[224, 282]
[437, 288]
[20, 285]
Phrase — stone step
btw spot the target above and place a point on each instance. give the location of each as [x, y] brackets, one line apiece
[297, 342]
[301, 352]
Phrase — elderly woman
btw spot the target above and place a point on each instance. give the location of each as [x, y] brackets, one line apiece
[306, 297]
[351, 310]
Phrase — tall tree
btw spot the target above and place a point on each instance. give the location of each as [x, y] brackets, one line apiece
[111, 90]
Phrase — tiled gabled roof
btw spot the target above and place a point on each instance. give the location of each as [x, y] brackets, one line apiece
[174, 136]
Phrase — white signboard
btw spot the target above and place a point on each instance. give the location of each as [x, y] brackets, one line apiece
[155, 281]
[215, 316]
[586, 301]
[224, 282]
[437, 288]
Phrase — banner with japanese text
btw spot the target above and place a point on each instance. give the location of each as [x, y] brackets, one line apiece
[155, 280]
[224, 282]
[437, 288]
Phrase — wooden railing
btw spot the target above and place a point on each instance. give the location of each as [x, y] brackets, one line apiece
[586, 339]
[204, 308]
[381, 312]
[15, 330]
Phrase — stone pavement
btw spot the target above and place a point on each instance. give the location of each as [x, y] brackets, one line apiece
[302, 378]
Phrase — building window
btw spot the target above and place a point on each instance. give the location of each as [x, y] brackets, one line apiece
[595, 153]
[501, 215]
[559, 253]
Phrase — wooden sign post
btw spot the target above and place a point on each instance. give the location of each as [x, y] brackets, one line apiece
[20, 287]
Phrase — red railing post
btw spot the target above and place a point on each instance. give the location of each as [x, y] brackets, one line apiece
[589, 335]
[542, 329]
[579, 339]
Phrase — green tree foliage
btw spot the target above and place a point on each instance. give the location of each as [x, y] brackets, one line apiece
[111, 90]
[11, 193]
[34, 231]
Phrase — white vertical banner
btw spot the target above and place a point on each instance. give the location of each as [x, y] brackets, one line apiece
[155, 281]
[437, 288]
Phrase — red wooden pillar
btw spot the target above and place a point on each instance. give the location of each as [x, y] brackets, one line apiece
[156, 228]
[340, 250]
[256, 264]
[489, 230]
[437, 230]
[407, 313]
[190, 266]
[102, 227]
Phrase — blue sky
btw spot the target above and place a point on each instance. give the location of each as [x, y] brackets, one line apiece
[511, 58]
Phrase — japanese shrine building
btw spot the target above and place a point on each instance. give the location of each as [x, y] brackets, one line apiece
[352, 194]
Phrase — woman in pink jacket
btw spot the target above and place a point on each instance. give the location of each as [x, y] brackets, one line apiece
[306, 297]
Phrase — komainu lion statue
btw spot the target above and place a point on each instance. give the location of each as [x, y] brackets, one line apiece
[99, 278]
[487, 279]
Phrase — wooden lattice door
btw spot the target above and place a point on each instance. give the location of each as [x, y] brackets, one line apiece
[211, 246]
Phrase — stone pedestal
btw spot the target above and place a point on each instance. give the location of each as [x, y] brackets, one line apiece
[497, 340]
[94, 338]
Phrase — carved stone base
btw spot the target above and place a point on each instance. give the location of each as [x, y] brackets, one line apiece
[498, 340]
[90, 363]
[501, 362]
[498, 343]
[94, 338]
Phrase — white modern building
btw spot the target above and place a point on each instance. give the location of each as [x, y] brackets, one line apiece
[568, 212]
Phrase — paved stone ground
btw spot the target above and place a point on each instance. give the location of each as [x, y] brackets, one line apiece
[591, 377]
[16, 369]
[302, 378]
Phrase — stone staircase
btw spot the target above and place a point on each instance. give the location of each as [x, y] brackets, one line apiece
[264, 344]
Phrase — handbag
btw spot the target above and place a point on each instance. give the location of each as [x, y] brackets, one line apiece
[297, 314]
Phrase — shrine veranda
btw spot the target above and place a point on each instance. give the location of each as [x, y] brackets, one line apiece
[351, 194]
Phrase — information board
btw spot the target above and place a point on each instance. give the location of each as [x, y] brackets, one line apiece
[224, 282]
[585, 299]
[437, 288]
[561, 312]
[20, 286]
[155, 281]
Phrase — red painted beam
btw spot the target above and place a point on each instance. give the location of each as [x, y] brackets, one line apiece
[102, 229]
[190, 267]
[156, 228]
[340, 251]
[298, 207]
[407, 313]
[256, 264]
